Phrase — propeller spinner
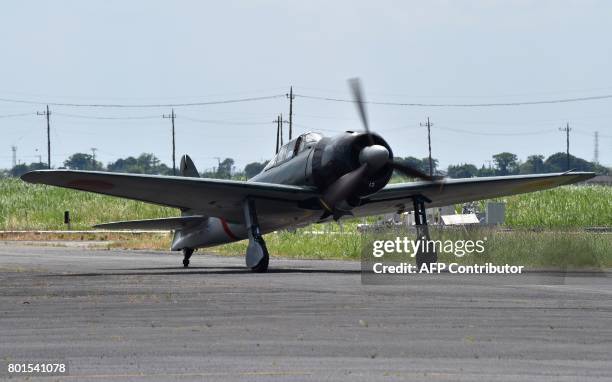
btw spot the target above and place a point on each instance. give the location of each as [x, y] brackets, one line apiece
[372, 158]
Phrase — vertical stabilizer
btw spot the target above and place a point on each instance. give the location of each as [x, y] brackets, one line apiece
[188, 169]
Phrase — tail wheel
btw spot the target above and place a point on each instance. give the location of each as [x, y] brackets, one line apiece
[187, 252]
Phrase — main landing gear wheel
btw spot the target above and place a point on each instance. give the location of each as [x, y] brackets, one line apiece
[424, 255]
[187, 252]
[262, 265]
[257, 257]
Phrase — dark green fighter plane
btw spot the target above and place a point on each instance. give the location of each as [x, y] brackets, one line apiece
[311, 179]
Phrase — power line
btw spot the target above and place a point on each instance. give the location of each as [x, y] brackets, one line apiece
[416, 104]
[223, 122]
[429, 125]
[146, 105]
[532, 132]
[567, 130]
[596, 151]
[14, 150]
[102, 117]
[15, 115]
[172, 116]
[93, 157]
[291, 98]
[47, 113]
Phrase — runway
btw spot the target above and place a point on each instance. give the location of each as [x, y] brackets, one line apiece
[137, 315]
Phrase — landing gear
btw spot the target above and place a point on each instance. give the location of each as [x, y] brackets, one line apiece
[187, 252]
[425, 255]
[257, 257]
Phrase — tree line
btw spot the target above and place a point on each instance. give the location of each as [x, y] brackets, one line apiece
[504, 163]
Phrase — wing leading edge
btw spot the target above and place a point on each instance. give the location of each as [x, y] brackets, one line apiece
[396, 197]
[210, 197]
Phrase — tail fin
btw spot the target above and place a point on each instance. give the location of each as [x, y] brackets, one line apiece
[188, 169]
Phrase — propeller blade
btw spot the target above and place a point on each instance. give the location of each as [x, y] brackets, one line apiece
[412, 172]
[342, 188]
[357, 93]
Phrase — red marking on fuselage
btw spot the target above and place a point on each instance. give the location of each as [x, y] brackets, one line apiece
[227, 230]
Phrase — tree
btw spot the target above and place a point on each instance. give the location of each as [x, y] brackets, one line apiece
[254, 168]
[425, 165]
[558, 163]
[412, 162]
[465, 170]
[419, 164]
[506, 163]
[146, 163]
[225, 169]
[486, 171]
[533, 165]
[82, 161]
[21, 169]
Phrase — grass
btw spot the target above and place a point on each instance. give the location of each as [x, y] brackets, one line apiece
[25, 206]
[561, 207]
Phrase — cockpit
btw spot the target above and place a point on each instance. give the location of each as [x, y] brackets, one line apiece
[294, 147]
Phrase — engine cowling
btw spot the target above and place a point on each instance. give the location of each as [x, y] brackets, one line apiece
[336, 157]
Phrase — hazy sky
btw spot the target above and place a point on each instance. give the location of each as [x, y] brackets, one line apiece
[188, 51]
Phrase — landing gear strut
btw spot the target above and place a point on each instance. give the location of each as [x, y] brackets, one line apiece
[257, 257]
[187, 252]
[424, 255]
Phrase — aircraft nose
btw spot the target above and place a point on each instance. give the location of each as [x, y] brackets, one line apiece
[375, 156]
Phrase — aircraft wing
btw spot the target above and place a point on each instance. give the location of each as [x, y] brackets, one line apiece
[209, 197]
[396, 197]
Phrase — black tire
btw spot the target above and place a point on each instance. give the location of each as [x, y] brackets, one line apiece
[187, 252]
[262, 266]
[426, 258]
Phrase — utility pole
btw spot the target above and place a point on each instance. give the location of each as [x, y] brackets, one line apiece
[567, 130]
[93, 158]
[47, 113]
[429, 125]
[172, 116]
[280, 123]
[277, 135]
[596, 153]
[38, 155]
[218, 163]
[14, 149]
[291, 98]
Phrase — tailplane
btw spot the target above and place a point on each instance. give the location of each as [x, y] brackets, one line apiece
[175, 223]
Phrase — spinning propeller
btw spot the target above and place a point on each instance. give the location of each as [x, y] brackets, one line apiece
[372, 158]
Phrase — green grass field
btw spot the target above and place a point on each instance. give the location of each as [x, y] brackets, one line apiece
[25, 206]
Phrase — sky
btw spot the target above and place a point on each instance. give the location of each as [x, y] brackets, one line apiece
[172, 52]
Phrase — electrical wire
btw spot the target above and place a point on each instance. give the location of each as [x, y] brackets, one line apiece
[416, 104]
[532, 132]
[100, 117]
[15, 115]
[222, 122]
[149, 105]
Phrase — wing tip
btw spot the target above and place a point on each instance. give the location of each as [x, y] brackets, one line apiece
[32, 176]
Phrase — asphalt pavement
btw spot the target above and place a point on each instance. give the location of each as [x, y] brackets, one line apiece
[139, 315]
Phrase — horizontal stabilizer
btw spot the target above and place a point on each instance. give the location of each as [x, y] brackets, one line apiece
[162, 224]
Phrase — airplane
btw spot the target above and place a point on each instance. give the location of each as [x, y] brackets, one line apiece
[312, 179]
